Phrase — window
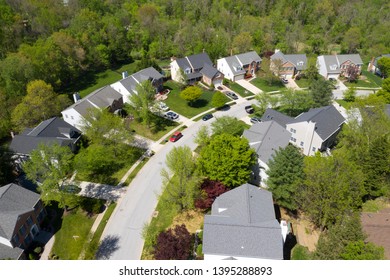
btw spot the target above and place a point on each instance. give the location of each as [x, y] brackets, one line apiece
[293, 130]
[72, 117]
[28, 239]
[313, 149]
[29, 221]
[302, 144]
[66, 116]
[22, 230]
[16, 239]
[293, 139]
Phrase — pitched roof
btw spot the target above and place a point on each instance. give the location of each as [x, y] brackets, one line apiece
[271, 114]
[209, 71]
[333, 62]
[354, 58]
[298, 60]
[248, 57]
[54, 130]
[327, 120]
[130, 83]
[14, 201]
[199, 60]
[243, 224]
[10, 253]
[234, 65]
[266, 138]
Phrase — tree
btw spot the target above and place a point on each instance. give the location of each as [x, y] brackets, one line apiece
[202, 137]
[40, 103]
[350, 94]
[321, 92]
[266, 100]
[385, 90]
[191, 94]
[294, 102]
[285, 174]
[228, 125]
[181, 182]
[210, 191]
[141, 102]
[242, 42]
[333, 187]
[352, 39]
[311, 71]
[50, 166]
[352, 73]
[174, 244]
[218, 100]
[267, 71]
[6, 175]
[384, 66]
[360, 250]
[227, 159]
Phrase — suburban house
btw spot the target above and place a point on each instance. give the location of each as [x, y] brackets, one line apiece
[50, 131]
[373, 65]
[237, 67]
[287, 65]
[21, 214]
[243, 226]
[265, 138]
[197, 67]
[127, 86]
[103, 98]
[312, 131]
[334, 66]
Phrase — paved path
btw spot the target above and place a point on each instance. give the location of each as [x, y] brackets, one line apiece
[292, 84]
[248, 86]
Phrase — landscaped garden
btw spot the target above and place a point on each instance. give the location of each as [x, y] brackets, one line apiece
[266, 86]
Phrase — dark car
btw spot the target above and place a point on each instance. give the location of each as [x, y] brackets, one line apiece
[255, 120]
[171, 115]
[232, 95]
[220, 88]
[176, 136]
[207, 117]
[249, 109]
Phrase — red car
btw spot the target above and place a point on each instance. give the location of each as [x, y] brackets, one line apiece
[176, 136]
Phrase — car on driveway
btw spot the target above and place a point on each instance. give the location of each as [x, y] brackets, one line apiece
[162, 106]
[232, 95]
[284, 81]
[207, 117]
[255, 120]
[220, 88]
[171, 115]
[249, 109]
[176, 136]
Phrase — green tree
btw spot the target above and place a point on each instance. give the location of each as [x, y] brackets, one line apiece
[294, 102]
[321, 92]
[202, 137]
[181, 183]
[40, 103]
[218, 100]
[264, 101]
[311, 71]
[227, 125]
[242, 42]
[267, 72]
[141, 102]
[6, 174]
[285, 175]
[51, 165]
[384, 92]
[350, 94]
[360, 250]
[227, 159]
[352, 39]
[384, 66]
[191, 94]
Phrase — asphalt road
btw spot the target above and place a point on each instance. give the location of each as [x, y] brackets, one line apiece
[122, 237]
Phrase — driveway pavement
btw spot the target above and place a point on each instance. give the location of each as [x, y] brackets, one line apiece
[248, 86]
[292, 84]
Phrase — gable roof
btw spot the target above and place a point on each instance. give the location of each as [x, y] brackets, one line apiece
[298, 60]
[236, 62]
[197, 61]
[234, 65]
[14, 201]
[333, 62]
[267, 138]
[54, 130]
[209, 71]
[243, 224]
[271, 114]
[327, 120]
[354, 58]
[10, 253]
[248, 57]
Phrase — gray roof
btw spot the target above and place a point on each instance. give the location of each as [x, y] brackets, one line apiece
[131, 82]
[243, 224]
[266, 138]
[197, 61]
[271, 114]
[10, 253]
[100, 98]
[248, 57]
[354, 58]
[209, 71]
[298, 60]
[234, 64]
[278, 55]
[379, 57]
[333, 62]
[54, 130]
[183, 63]
[14, 201]
[327, 120]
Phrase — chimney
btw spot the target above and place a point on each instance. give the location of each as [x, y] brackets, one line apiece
[124, 75]
[231, 52]
[76, 97]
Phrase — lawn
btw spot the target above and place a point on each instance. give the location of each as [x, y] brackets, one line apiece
[180, 106]
[345, 104]
[238, 89]
[363, 82]
[300, 252]
[73, 234]
[264, 85]
[157, 129]
[303, 83]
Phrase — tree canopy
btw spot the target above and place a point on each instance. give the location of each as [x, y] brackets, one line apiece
[191, 94]
[229, 125]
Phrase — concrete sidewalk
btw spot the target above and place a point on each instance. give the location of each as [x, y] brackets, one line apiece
[248, 86]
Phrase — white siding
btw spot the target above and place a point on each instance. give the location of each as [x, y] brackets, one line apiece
[175, 72]
[72, 117]
[224, 68]
[305, 137]
[322, 66]
[122, 90]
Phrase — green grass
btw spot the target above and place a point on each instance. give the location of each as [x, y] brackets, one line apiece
[136, 170]
[159, 127]
[300, 252]
[180, 106]
[92, 246]
[67, 245]
[374, 79]
[345, 104]
[238, 89]
[303, 83]
[122, 172]
[264, 85]
[374, 206]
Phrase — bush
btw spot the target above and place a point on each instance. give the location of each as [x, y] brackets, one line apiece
[92, 205]
[38, 250]
[199, 250]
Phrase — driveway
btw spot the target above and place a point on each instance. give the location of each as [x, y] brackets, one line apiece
[248, 86]
[292, 84]
[122, 236]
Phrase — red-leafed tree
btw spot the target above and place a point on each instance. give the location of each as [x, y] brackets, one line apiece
[174, 244]
[352, 73]
[210, 191]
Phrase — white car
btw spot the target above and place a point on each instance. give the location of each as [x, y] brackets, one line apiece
[162, 106]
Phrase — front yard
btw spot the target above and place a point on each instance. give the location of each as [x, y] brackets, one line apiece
[303, 83]
[237, 88]
[265, 86]
[157, 129]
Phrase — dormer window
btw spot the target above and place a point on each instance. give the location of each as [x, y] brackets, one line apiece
[333, 67]
[300, 63]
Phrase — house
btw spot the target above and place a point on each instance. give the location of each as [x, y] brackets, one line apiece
[334, 66]
[243, 226]
[128, 85]
[237, 67]
[103, 98]
[197, 67]
[287, 65]
[50, 131]
[373, 65]
[312, 131]
[21, 215]
[266, 138]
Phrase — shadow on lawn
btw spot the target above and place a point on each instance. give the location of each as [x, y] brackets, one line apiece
[107, 247]
[200, 103]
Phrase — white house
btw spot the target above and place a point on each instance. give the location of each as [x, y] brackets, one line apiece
[265, 138]
[334, 66]
[242, 226]
[235, 67]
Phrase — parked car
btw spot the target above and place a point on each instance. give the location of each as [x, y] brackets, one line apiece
[220, 88]
[332, 79]
[171, 115]
[249, 109]
[232, 95]
[162, 106]
[207, 117]
[255, 120]
[284, 81]
[176, 136]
